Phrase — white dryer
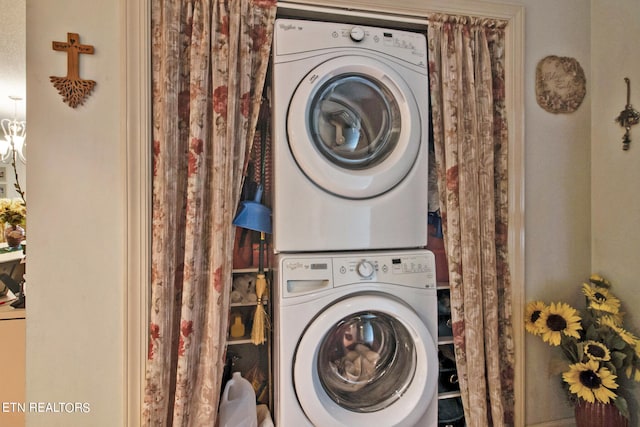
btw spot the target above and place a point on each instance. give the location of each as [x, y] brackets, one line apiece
[350, 137]
[355, 339]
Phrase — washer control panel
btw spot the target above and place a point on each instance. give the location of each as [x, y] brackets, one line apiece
[317, 272]
[415, 269]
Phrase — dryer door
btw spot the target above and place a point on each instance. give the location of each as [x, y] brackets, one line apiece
[366, 358]
[354, 127]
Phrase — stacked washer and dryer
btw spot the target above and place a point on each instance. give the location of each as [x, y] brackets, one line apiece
[355, 304]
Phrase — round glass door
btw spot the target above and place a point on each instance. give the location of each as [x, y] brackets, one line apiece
[354, 121]
[354, 127]
[366, 361]
[356, 367]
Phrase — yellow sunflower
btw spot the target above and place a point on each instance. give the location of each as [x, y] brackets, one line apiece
[532, 316]
[559, 318]
[596, 351]
[615, 319]
[601, 299]
[626, 336]
[591, 382]
[600, 281]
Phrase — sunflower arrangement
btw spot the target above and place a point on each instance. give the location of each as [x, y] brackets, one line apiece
[599, 351]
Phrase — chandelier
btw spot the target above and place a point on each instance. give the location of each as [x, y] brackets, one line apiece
[13, 145]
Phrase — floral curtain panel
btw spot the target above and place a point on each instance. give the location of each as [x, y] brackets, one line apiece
[209, 61]
[470, 137]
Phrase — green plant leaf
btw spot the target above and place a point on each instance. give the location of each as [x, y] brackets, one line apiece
[617, 359]
[618, 343]
[621, 404]
[592, 333]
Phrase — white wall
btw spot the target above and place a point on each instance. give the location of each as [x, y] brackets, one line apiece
[76, 219]
[557, 162]
[615, 177]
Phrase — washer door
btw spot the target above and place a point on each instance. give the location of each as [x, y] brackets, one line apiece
[354, 127]
[364, 359]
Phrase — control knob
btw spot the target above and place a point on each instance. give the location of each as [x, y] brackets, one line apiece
[357, 34]
[365, 269]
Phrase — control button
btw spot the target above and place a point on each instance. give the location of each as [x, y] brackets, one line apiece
[343, 269]
[365, 269]
[357, 34]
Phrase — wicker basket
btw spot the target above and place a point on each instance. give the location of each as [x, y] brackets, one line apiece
[599, 415]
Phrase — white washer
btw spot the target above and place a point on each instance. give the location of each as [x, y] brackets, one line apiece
[350, 137]
[355, 339]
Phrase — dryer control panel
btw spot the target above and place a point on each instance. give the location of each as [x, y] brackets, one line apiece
[293, 36]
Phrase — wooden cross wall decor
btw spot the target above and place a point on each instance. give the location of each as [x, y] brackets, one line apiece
[73, 89]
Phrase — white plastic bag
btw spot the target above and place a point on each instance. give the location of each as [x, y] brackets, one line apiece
[238, 404]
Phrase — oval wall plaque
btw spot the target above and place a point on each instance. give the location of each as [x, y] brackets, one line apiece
[560, 84]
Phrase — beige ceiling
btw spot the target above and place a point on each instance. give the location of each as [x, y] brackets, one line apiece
[13, 58]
